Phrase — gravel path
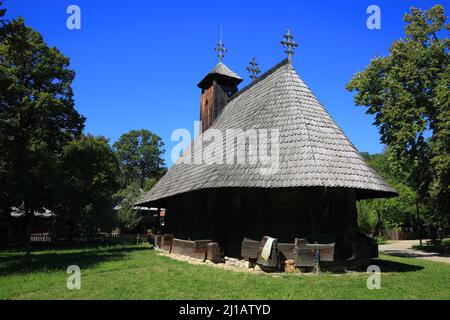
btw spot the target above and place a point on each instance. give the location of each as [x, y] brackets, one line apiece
[403, 248]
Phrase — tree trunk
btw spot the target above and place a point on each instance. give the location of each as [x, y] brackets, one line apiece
[71, 230]
[142, 177]
[418, 222]
[27, 224]
[379, 225]
[5, 219]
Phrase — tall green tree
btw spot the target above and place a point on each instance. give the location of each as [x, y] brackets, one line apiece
[2, 13]
[378, 215]
[127, 217]
[408, 93]
[5, 207]
[88, 170]
[37, 118]
[139, 153]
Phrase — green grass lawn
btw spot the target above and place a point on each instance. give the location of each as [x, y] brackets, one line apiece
[136, 272]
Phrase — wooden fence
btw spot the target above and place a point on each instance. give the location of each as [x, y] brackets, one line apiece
[41, 237]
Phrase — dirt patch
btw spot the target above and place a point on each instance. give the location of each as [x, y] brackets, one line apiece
[237, 265]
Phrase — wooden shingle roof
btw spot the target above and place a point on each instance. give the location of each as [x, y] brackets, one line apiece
[314, 151]
[220, 70]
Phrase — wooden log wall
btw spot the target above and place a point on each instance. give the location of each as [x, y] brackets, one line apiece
[227, 216]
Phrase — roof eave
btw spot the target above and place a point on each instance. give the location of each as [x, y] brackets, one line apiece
[361, 194]
[207, 81]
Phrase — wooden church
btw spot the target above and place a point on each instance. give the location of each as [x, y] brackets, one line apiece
[320, 176]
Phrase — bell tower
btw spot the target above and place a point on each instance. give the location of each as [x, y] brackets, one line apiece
[217, 88]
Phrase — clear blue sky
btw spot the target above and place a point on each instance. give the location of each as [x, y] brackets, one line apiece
[138, 61]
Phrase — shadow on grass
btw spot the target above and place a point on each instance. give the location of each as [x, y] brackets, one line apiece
[411, 254]
[59, 260]
[394, 266]
[437, 250]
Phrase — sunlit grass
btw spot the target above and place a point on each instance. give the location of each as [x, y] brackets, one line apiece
[137, 272]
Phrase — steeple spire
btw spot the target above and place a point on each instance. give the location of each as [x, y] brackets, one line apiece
[220, 49]
[289, 43]
[218, 86]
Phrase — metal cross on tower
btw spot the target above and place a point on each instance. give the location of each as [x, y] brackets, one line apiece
[253, 69]
[220, 49]
[289, 43]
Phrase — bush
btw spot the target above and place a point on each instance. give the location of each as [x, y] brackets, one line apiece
[446, 242]
[380, 239]
[127, 217]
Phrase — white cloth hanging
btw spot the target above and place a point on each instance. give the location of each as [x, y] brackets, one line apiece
[267, 249]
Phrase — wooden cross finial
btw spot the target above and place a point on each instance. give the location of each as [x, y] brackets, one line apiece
[253, 69]
[220, 49]
[289, 43]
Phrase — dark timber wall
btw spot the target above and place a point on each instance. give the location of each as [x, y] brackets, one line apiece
[228, 215]
[213, 100]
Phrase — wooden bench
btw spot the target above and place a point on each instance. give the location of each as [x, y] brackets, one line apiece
[166, 242]
[274, 259]
[305, 252]
[251, 251]
[158, 239]
[286, 251]
[213, 252]
[303, 256]
[194, 249]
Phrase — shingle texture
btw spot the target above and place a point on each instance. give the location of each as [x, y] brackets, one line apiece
[313, 149]
[222, 69]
